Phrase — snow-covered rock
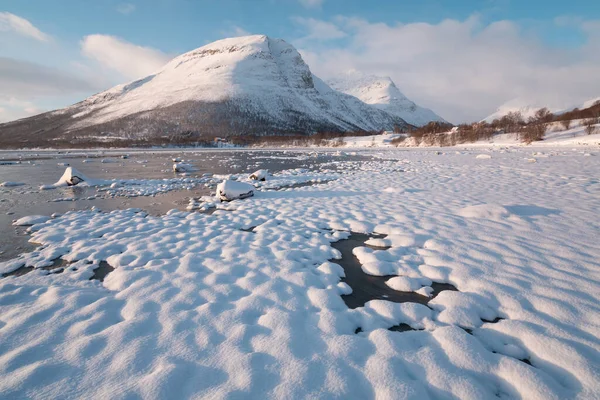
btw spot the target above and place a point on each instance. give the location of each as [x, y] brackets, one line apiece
[71, 177]
[260, 175]
[183, 167]
[232, 190]
[382, 92]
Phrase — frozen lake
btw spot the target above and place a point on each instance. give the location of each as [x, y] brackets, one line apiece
[421, 273]
[36, 168]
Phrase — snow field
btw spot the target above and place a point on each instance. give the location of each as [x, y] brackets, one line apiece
[246, 302]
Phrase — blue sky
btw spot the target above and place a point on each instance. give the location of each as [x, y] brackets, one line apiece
[545, 36]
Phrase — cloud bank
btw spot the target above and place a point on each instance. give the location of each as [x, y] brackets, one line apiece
[463, 70]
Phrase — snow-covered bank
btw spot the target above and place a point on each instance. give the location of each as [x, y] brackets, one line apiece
[247, 302]
[555, 136]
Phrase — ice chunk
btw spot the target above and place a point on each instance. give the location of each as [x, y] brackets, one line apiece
[8, 184]
[231, 190]
[483, 156]
[260, 175]
[31, 220]
[182, 167]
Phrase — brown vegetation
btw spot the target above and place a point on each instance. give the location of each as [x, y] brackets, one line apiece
[590, 125]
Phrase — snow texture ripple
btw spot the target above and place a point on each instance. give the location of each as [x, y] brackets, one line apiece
[246, 303]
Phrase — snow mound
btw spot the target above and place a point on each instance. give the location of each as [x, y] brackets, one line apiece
[483, 156]
[407, 284]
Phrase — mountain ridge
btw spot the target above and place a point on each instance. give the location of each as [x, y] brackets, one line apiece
[382, 92]
[246, 85]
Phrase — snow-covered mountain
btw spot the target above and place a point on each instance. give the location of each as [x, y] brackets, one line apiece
[244, 85]
[528, 107]
[381, 92]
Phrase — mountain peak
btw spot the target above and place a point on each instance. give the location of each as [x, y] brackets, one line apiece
[382, 92]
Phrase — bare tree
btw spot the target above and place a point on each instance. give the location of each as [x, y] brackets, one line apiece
[566, 123]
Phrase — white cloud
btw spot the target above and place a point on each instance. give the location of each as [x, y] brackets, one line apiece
[126, 8]
[129, 60]
[462, 69]
[312, 3]
[13, 23]
[319, 30]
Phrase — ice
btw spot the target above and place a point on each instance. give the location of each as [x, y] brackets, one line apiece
[31, 220]
[232, 190]
[483, 156]
[11, 184]
[246, 302]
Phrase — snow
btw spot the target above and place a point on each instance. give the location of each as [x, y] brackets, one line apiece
[382, 92]
[488, 211]
[247, 302]
[232, 190]
[528, 106]
[555, 136]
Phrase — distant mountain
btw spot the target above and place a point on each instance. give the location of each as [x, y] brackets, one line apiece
[528, 107]
[245, 85]
[382, 92]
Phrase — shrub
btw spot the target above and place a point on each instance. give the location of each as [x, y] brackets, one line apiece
[590, 125]
[566, 124]
[532, 132]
